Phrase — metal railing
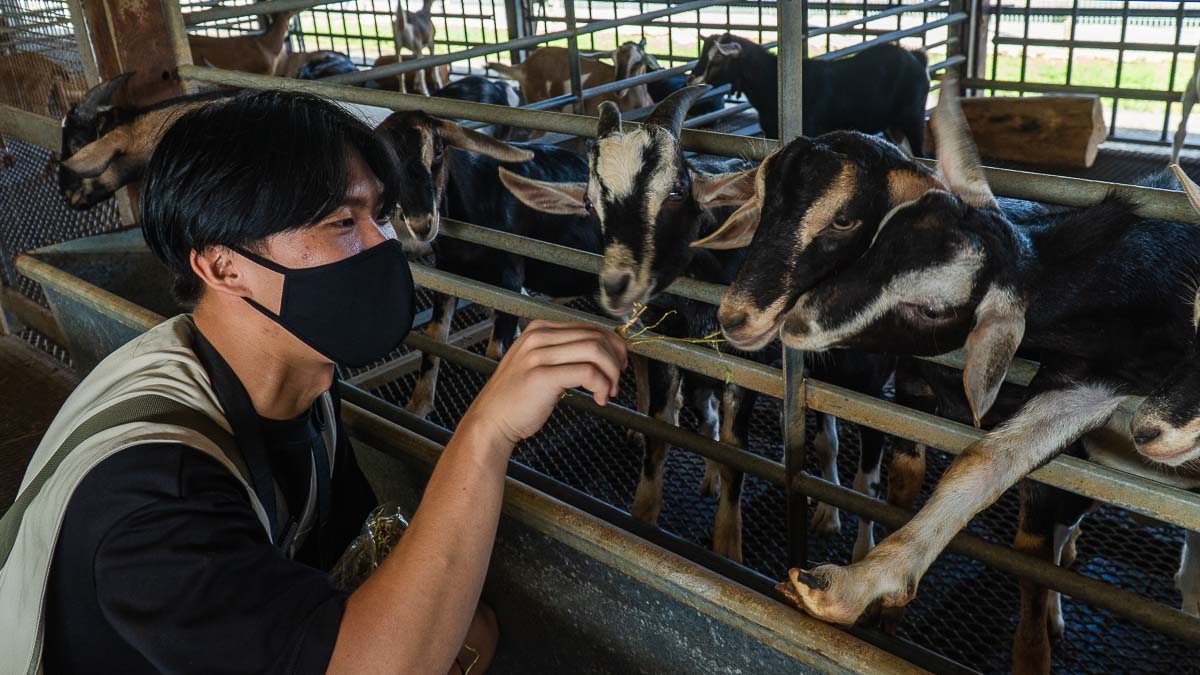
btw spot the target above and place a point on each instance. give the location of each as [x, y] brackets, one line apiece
[1137, 494]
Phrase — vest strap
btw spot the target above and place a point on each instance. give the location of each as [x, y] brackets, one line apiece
[147, 408]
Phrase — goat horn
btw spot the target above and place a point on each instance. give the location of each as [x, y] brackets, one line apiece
[100, 96]
[610, 119]
[670, 113]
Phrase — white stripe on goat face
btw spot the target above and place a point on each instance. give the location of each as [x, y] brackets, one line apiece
[942, 286]
[619, 178]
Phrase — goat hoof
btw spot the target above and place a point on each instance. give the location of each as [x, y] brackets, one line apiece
[635, 439]
[819, 593]
[826, 520]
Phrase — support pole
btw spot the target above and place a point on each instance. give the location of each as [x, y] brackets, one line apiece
[791, 94]
[573, 58]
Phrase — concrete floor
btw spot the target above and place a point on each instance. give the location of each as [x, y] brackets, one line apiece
[33, 385]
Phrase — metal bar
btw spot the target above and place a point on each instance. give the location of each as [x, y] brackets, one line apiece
[254, 9]
[592, 92]
[520, 43]
[1149, 202]
[573, 58]
[1050, 10]
[791, 126]
[178, 40]
[841, 27]
[1093, 44]
[894, 36]
[391, 371]
[30, 127]
[83, 41]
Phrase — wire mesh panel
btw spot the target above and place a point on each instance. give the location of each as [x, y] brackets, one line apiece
[1136, 54]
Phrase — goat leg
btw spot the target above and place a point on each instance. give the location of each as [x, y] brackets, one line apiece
[975, 479]
[421, 403]
[1187, 580]
[737, 405]
[665, 402]
[826, 519]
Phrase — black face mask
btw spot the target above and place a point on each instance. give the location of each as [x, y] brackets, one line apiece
[353, 311]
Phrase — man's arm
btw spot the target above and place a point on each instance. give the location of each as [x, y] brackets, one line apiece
[412, 614]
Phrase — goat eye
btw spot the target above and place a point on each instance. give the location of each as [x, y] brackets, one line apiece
[843, 223]
[934, 313]
[587, 204]
[676, 193]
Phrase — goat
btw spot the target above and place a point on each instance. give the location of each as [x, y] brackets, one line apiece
[650, 204]
[315, 65]
[821, 200]
[949, 269]
[35, 83]
[261, 54]
[415, 31]
[482, 90]
[424, 81]
[660, 89]
[105, 148]
[547, 74]
[880, 89]
[452, 170]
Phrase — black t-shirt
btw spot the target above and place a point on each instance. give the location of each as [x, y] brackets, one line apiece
[162, 564]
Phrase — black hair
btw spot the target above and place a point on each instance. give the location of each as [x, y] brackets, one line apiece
[241, 169]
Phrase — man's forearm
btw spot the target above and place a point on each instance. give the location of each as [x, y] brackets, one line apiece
[412, 614]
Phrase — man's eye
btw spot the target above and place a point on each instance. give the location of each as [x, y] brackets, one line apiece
[346, 223]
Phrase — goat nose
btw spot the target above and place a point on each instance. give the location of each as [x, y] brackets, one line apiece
[733, 320]
[616, 284]
[1146, 434]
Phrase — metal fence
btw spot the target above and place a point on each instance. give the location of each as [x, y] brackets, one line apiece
[941, 25]
[1136, 55]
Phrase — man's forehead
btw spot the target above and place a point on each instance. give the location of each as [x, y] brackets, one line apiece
[364, 188]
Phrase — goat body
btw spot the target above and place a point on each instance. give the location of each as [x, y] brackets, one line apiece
[425, 80]
[546, 73]
[880, 89]
[37, 84]
[415, 32]
[482, 90]
[261, 54]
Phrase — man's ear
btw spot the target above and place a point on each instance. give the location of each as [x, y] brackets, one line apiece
[737, 231]
[991, 346]
[216, 268]
[713, 190]
[565, 199]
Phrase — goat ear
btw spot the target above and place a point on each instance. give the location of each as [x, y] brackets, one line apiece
[566, 199]
[651, 62]
[610, 120]
[713, 190]
[596, 56]
[737, 231]
[1189, 186]
[991, 346]
[957, 157]
[473, 141]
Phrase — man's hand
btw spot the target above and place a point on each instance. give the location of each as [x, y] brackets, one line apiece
[548, 359]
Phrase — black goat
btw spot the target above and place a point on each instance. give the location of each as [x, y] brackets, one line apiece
[880, 89]
[661, 89]
[451, 170]
[105, 148]
[326, 64]
[1093, 293]
[482, 90]
[652, 205]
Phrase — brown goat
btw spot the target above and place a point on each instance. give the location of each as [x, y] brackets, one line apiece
[415, 32]
[547, 74]
[33, 82]
[430, 82]
[261, 54]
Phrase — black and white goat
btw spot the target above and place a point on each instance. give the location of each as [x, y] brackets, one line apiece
[880, 89]
[652, 205]
[453, 171]
[104, 148]
[1093, 293]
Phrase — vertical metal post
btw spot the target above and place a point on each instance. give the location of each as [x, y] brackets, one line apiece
[573, 58]
[514, 16]
[791, 95]
[83, 42]
[177, 38]
[977, 39]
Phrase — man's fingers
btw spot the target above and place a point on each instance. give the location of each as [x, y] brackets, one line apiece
[585, 375]
[551, 338]
[592, 351]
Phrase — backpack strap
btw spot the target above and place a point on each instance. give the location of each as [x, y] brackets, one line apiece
[148, 408]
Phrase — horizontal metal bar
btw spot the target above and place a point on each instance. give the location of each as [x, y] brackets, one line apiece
[727, 145]
[901, 9]
[256, 9]
[616, 85]
[952, 61]
[520, 43]
[1148, 202]
[957, 17]
[1093, 44]
[735, 457]
[748, 374]
[30, 127]
[1019, 12]
[1049, 88]
[1147, 497]
[708, 118]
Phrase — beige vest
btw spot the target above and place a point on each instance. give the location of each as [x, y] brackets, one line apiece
[160, 361]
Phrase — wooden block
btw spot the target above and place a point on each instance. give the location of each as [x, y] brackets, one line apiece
[1059, 130]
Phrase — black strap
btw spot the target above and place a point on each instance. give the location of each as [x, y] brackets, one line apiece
[147, 408]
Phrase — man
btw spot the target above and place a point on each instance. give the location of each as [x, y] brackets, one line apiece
[177, 541]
